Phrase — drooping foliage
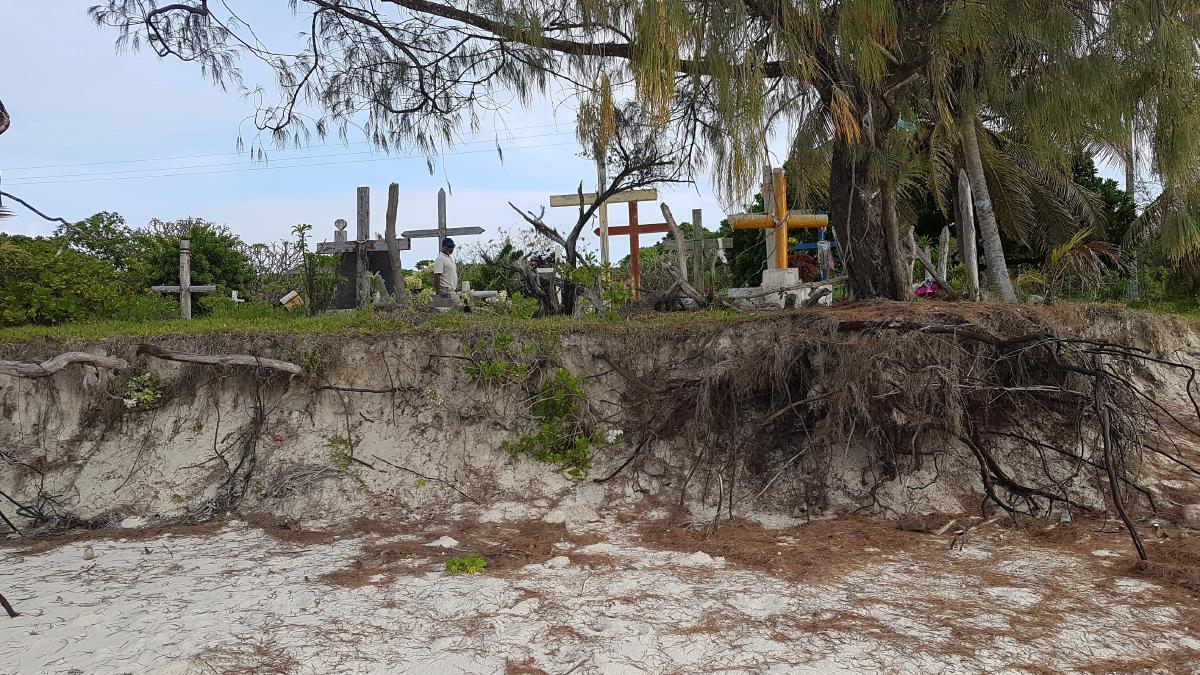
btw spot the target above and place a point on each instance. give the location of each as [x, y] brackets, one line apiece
[840, 79]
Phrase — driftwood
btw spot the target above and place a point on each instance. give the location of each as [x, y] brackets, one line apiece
[815, 297]
[966, 234]
[681, 287]
[52, 366]
[922, 256]
[157, 352]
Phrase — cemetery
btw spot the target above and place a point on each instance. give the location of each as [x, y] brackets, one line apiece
[827, 346]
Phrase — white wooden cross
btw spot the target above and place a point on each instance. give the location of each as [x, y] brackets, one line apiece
[185, 287]
[442, 231]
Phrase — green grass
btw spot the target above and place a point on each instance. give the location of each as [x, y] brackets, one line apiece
[1188, 309]
[359, 322]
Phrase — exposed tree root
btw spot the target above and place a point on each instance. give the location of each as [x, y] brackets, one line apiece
[157, 352]
[1049, 419]
[53, 365]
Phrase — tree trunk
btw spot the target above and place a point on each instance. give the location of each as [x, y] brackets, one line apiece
[989, 231]
[863, 215]
[966, 235]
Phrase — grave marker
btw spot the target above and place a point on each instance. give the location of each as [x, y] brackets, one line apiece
[185, 287]
[633, 229]
[778, 218]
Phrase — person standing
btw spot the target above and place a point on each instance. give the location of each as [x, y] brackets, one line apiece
[445, 272]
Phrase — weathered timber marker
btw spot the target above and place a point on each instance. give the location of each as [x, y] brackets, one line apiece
[360, 256]
[698, 246]
[633, 229]
[442, 231]
[185, 287]
[364, 255]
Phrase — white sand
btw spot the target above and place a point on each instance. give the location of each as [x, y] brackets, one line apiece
[241, 601]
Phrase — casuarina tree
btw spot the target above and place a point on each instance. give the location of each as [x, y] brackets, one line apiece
[723, 75]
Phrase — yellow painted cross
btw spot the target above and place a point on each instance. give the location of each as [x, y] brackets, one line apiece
[781, 220]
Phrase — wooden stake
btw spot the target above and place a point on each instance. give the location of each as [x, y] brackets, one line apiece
[185, 278]
[363, 264]
[635, 262]
[781, 216]
[389, 233]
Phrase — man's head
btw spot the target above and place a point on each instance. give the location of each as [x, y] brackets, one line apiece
[448, 246]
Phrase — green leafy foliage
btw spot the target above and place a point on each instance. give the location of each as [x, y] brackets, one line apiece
[563, 437]
[41, 282]
[497, 358]
[104, 236]
[341, 455]
[217, 255]
[468, 564]
[141, 390]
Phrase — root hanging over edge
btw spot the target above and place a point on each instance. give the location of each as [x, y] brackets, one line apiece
[1046, 416]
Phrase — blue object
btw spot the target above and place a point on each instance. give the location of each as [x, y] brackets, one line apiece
[448, 242]
[813, 247]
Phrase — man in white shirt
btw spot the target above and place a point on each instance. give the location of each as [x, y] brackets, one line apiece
[445, 272]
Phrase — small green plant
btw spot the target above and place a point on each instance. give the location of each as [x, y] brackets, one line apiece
[141, 390]
[497, 358]
[562, 438]
[341, 455]
[491, 371]
[177, 499]
[468, 564]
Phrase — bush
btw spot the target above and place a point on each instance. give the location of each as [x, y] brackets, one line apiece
[563, 438]
[147, 306]
[218, 255]
[44, 282]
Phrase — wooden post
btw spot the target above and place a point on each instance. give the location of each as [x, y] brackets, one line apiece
[697, 248]
[363, 264]
[768, 196]
[601, 184]
[944, 253]
[389, 233]
[779, 187]
[185, 278]
[442, 230]
[185, 287]
[635, 262]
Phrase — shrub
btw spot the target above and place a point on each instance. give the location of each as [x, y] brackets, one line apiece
[44, 282]
[468, 564]
[563, 438]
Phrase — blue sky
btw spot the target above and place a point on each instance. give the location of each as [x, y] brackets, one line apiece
[76, 103]
[84, 118]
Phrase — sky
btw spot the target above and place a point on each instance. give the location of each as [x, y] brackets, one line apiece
[84, 119]
[96, 130]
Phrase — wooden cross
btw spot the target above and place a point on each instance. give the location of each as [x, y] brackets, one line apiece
[442, 231]
[362, 247]
[363, 244]
[778, 218]
[185, 287]
[697, 246]
[633, 229]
